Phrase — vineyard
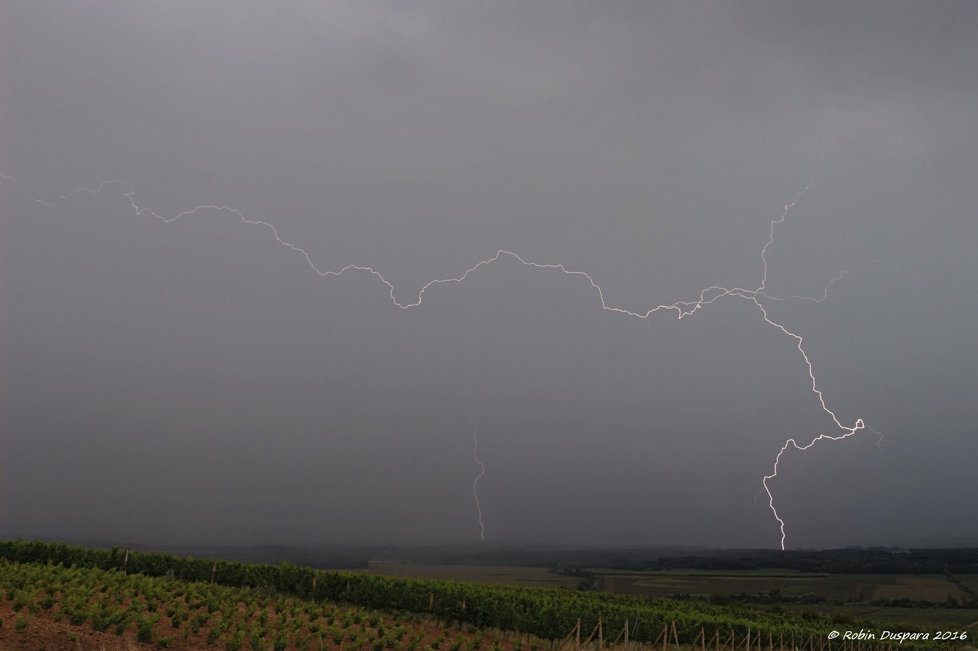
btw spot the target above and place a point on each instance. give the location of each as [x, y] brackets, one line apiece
[177, 602]
[166, 613]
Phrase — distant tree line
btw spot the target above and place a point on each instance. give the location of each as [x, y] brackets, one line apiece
[836, 561]
[869, 560]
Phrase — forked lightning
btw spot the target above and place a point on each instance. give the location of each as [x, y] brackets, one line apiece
[682, 309]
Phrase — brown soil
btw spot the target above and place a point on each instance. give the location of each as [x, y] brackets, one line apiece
[44, 634]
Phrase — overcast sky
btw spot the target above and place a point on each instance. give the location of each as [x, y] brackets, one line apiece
[196, 381]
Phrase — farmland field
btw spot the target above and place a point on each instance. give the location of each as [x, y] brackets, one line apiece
[969, 580]
[935, 588]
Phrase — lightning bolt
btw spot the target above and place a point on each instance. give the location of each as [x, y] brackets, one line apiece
[682, 309]
[475, 484]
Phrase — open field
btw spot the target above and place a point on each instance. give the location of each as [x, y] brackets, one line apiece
[934, 588]
[969, 580]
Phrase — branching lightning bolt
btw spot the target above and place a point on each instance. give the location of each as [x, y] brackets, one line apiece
[707, 296]
[475, 484]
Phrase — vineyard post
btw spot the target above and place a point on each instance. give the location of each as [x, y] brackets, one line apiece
[313, 585]
[600, 635]
[748, 638]
[577, 634]
[622, 633]
[125, 563]
[665, 637]
[593, 633]
[770, 640]
[702, 639]
[213, 571]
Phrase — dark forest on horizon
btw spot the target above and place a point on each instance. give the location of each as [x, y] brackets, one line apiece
[853, 560]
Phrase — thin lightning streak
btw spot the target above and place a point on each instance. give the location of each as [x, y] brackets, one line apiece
[814, 299]
[780, 220]
[879, 439]
[682, 309]
[475, 485]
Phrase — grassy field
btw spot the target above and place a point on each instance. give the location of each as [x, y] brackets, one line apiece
[970, 580]
[934, 588]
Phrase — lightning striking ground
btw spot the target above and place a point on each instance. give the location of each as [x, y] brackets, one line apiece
[707, 296]
[475, 485]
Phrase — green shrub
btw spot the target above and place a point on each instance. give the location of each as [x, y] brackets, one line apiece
[144, 632]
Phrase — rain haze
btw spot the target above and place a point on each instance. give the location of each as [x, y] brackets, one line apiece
[195, 381]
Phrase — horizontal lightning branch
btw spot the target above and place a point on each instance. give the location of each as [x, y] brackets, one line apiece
[682, 309]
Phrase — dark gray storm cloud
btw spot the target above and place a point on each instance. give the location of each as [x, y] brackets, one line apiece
[196, 381]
